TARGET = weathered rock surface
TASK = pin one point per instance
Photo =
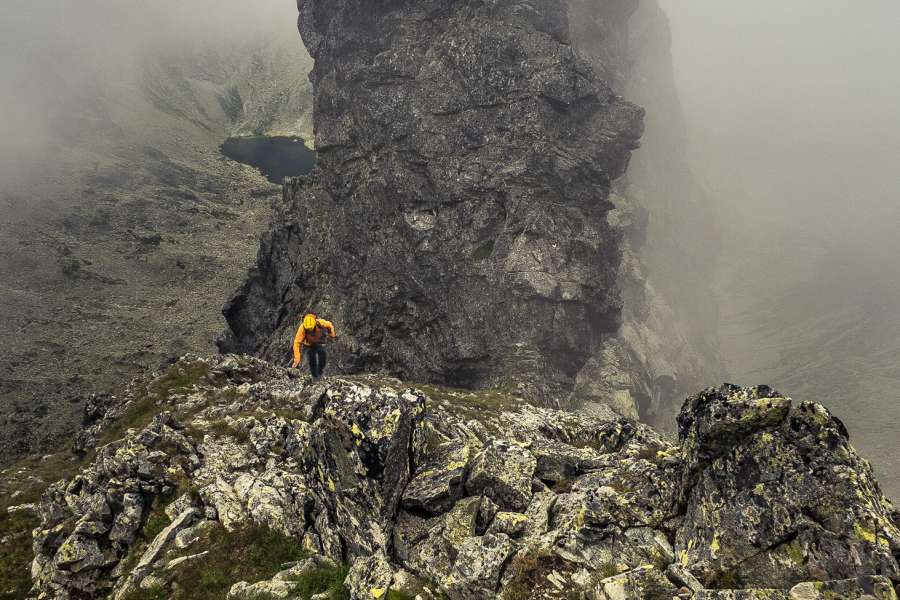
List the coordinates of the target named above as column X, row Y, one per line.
column 351, row 470
column 456, row 224
column 775, row 493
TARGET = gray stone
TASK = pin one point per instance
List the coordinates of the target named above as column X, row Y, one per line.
column 862, row 588
column 369, row 578
column 476, row 571
column 640, row 583
column 503, row 472
column 438, row 483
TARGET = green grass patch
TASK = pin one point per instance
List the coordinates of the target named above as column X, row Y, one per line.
column 251, row 554
column 484, row 251
column 607, row 569
column 181, row 377
column 16, row 554
column 324, row 580
column 30, row 477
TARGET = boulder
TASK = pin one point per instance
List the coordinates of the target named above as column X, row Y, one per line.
column 476, row 571
column 643, row 582
column 369, row 578
column 755, row 516
column 861, row 588
column 503, row 472
column 438, row 482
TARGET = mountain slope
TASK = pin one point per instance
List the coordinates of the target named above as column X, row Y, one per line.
column 119, row 247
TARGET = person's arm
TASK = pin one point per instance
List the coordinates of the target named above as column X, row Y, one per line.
column 298, row 347
column 329, row 326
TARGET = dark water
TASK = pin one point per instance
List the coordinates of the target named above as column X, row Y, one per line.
column 275, row 157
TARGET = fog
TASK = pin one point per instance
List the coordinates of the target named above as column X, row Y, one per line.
column 793, row 107
column 57, row 58
column 793, row 118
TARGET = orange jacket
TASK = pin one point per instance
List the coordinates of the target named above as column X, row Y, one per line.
column 311, row 338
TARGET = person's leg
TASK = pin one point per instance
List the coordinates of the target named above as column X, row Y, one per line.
column 313, row 362
column 323, row 358
column 318, row 354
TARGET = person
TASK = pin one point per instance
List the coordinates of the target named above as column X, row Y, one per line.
column 312, row 334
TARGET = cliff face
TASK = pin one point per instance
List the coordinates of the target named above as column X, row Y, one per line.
column 456, row 225
column 667, row 345
column 466, row 496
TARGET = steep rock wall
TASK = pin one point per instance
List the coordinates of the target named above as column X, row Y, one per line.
column 456, row 225
column 667, row 345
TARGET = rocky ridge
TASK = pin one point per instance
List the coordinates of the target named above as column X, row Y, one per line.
column 433, row 493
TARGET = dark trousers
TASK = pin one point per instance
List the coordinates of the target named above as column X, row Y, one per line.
column 317, row 359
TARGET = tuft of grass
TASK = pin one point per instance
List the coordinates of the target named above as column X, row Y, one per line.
column 179, row 378
column 16, row 554
column 529, row 574
column 607, row 569
column 138, row 414
column 30, row 478
column 324, row 581
column 398, row 595
column 484, row 251
column 250, row 554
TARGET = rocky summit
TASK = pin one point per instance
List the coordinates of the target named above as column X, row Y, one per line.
column 395, row 491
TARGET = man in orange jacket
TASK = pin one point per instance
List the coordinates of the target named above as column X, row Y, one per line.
column 312, row 334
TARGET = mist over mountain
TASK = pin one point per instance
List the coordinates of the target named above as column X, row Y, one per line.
column 793, row 120
column 122, row 227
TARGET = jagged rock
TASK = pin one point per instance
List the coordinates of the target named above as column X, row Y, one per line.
column 862, row 588
column 264, row 589
column 681, row 576
column 511, row 524
column 369, row 578
column 88, row 523
column 183, row 559
column 179, row 505
column 756, row 465
column 79, row 552
column 155, row 550
column 642, row 582
column 503, row 472
column 359, row 453
column 276, row 499
column 558, row 462
column 755, row 594
column 438, row 483
column 282, row 585
column 476, row 571
column 126, row 523
column 227, row 507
